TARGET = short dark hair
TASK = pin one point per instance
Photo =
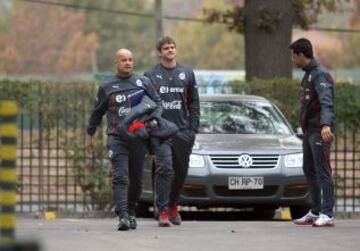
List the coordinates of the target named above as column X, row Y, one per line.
column 164, row 40
column 303, row 46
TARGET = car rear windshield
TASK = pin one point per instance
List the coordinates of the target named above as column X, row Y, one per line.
column 241, row 117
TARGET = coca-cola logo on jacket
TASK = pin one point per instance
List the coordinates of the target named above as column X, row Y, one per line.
column 123, row 111
column 173, row 105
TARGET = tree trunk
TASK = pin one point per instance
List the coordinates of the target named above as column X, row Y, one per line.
column 267, row 53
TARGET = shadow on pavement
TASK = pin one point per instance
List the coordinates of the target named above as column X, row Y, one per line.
column 225, row 216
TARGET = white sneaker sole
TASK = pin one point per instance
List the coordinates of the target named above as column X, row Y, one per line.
column 304, row 223
column 324, row 225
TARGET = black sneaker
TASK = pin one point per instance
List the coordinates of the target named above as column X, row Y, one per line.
column 132, row 220
column 124, row 224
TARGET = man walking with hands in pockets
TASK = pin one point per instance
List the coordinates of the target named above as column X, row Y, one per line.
column 177, row 88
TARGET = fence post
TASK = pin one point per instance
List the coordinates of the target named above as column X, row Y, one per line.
column 8, row 134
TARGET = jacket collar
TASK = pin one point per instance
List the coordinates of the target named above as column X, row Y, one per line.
column 311, row 65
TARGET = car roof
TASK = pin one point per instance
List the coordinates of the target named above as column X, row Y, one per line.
column 231, row 97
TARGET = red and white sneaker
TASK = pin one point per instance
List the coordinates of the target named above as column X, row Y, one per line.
column 164, row 218
column 307, row 219
column 324, row 221
column 174, row 215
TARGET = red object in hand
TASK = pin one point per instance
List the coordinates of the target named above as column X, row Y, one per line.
column 135, row 125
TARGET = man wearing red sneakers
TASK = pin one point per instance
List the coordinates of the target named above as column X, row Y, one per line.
column 318, row 123
column 177, row 88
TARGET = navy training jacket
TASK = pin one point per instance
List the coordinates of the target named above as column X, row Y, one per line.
column 317, row 98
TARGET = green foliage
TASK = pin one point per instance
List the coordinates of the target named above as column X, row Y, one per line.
column 92, row 173
column 347, row 104
column 70, row 101
column 25, row 93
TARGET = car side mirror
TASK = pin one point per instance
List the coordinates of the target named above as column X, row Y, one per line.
column 299, row 133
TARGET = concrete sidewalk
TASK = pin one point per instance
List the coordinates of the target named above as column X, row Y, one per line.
column 101, row 234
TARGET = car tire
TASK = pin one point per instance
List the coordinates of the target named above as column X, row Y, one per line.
column 299, row 211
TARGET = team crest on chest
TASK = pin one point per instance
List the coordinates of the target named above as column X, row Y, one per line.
column 110, row 154
column 139, row 82
column 182, row 76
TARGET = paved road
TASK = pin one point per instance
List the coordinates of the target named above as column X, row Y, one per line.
column 100, row 234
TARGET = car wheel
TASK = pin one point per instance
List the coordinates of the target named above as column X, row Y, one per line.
column 299, row 211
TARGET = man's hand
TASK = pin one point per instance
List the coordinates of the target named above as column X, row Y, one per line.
column 326, row 133
column 89, row 148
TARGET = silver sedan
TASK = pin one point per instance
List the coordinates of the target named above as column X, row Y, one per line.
column 245, row 156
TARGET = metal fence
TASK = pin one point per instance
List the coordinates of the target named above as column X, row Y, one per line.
column 48, row 179
column 345, row 160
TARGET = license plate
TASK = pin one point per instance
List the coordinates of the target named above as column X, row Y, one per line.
column 243, row 183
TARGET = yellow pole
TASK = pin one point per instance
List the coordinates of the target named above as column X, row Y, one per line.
column 8, row 134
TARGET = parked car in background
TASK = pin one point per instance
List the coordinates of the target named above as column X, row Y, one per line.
column 245, row 156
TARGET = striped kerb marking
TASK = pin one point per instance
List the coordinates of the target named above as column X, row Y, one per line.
column 8, row 131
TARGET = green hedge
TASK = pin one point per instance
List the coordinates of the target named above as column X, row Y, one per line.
column 53, row 97
column 65, row 105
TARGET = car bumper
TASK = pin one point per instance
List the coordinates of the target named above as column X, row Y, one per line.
column 210, row 188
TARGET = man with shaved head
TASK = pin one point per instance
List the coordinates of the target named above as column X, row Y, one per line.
column 116, row 97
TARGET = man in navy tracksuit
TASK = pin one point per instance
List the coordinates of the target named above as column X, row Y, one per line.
column 318, row 125
column 177, row 88
column 115, row 98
